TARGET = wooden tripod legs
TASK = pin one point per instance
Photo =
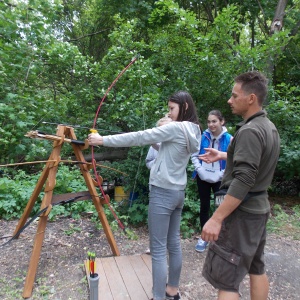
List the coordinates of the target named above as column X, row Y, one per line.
column 48, row 176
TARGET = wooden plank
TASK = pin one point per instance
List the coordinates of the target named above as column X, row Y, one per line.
column 95, row 197
column 39, row 237
column 114, row 278
column 35, row 256
column 104, row 290
column 132, row 282
column 103, row 287
column 65, row 197
column 33, row 198
column 143, row 273
column 148, row 261
column 124, row 277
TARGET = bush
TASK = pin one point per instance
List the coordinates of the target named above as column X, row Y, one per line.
column 16, row 191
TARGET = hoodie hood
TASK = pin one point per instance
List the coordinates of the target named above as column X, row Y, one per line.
column 192, row 134
column 224, row 129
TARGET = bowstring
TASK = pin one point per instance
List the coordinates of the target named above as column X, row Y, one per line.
column 142, row 148
column 92, row 148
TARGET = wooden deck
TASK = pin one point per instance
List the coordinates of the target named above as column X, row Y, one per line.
column 124, row 277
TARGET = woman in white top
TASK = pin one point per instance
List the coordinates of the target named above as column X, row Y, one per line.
column 209, row 175
column 179, row 139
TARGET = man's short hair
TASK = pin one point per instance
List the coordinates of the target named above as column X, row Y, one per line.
column 254, row 83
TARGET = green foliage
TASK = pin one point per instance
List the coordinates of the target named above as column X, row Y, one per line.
column 65, row 56
column 284, row 110
column 15, row 193
column 138, row 213
column 283, row 223
column 13, row 288
column 190, row 215
column 40, row 80
column 73, row 229
column 49, row 78
column 285, row 187
column 190, row 223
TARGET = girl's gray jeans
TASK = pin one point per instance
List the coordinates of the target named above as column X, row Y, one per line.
column 164, row 215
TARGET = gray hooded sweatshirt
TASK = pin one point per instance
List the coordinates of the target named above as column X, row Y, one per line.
column 178, row 141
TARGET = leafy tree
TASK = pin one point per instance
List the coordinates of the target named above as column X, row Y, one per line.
column 66, row 55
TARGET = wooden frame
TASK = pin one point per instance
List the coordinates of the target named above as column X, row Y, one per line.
column 48, row 178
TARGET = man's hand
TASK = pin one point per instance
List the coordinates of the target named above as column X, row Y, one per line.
column 95, row 139
column 212, row 155
column 212, row 227
column 211, row 230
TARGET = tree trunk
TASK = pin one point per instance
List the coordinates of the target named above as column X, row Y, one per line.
column 114, row 154
column 277, row 22
column 276, row 26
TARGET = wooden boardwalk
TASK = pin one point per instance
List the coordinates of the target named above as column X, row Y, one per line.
column 124, row 277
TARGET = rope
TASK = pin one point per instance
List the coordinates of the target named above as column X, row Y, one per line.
column 62, row 161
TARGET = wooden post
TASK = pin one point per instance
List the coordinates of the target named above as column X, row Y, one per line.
column 48, row 176
column 91, row 186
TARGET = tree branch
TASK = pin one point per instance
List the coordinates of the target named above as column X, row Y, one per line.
column 112, row 155
column 84, row 36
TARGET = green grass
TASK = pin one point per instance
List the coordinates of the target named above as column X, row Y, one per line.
column 283, row 223
column 13, row 289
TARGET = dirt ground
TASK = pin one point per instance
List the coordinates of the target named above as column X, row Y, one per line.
column 60, row 274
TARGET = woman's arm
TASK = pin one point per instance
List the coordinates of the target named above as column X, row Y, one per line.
column 168, row 132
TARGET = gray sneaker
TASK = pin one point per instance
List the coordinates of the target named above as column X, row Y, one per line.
column 201, row 245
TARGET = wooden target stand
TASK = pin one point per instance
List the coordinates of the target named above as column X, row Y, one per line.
column 48, row 176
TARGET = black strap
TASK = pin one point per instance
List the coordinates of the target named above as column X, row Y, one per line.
column 223, row 192
column 213, row 145
column 77, row 142
column 36, row 216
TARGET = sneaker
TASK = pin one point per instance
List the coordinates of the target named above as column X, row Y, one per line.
column 176, row 297
column 201, row 245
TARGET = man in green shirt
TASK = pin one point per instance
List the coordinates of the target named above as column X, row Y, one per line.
column 237, row 229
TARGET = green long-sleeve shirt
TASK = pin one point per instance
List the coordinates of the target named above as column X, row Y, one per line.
column 251, row 161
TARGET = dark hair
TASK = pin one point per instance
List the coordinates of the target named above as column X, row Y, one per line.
column 254, row 83
column 218, row 114
column 187, row 108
